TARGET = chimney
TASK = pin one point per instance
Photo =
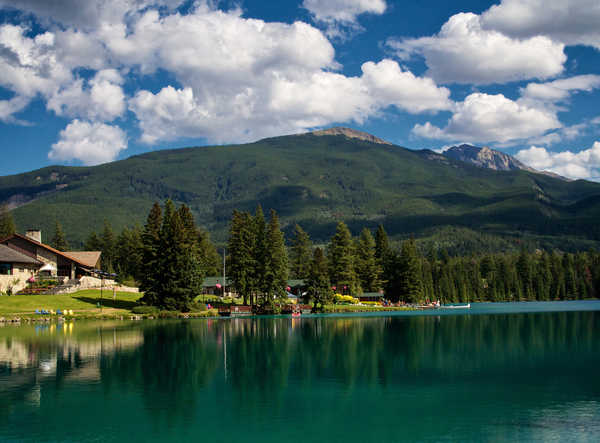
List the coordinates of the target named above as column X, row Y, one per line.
column 34, row 234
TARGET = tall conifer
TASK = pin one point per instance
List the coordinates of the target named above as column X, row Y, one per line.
column 300, row 253
column 341, row 258
column 7, row 224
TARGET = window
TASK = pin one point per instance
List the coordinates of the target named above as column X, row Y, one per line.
column 5, row 269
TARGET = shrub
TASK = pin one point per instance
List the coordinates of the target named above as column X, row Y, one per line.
column 345, row 299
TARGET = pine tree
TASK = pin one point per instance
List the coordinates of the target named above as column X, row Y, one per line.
column 7, row 224
column 260, row 251
column 129, row 253
column 341, row 257
column 367, row 266
column 411, row 288
column 300, row 253
column 58, row 239
column 382, row 246
column 276, row 263
column 319, row 287
column 179, row 262
column 108, row 241
column 93, row 242
column 212, row 262
column 150, row 275
column 241, row 254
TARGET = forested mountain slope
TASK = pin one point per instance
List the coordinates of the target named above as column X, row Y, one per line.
column 314, row 180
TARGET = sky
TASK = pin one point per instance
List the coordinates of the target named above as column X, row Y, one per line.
column 85, row 83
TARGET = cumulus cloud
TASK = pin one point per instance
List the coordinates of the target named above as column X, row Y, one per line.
column 13, row 106
column 286, row 104
column 546, row 94
column 464, row 52
column 91, row 143
column 101, row 99
column 489, row 118
column 572, row 22
column 341, row 16
column 584, row 164
column 30, row 66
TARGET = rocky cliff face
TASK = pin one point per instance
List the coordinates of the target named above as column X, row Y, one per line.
column 351, row 133
column 486, row 158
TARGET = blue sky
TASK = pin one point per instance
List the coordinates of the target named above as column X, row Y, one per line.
column 87, row 83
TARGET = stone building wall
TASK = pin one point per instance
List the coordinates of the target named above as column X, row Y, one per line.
column 18, row 280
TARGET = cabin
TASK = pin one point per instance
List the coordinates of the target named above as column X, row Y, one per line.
column 25, row 256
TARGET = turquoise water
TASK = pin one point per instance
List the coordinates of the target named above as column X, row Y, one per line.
column 499, row 372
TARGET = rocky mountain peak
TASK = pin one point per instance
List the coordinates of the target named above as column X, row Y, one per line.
column 351, row 133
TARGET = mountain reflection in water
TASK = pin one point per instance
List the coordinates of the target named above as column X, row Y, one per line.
column 466, row 377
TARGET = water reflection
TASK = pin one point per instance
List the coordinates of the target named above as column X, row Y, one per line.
column 182, row 371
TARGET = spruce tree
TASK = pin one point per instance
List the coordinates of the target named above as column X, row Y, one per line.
column 382, row 246
column 151, row 275
column 341, row 257
column 93, row 242
column 108, row 241
column 212, row 262
column 367, row 267
column 319, row 287
column 411, row 288
column 300, row 253
column 276, row 263
column 58, row 239
column 241, row 254
column 7, row 224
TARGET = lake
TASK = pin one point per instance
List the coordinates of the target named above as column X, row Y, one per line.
column 499, row 372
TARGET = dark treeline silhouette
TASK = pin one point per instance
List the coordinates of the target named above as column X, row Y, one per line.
column 170, row 255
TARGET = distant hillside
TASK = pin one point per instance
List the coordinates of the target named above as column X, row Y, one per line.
column 314, row 180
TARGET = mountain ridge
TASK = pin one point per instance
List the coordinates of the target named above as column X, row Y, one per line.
column 312, row 180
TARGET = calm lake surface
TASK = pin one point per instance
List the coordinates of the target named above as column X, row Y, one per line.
column 501, row 372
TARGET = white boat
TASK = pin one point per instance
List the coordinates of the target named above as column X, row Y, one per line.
column 467, row 306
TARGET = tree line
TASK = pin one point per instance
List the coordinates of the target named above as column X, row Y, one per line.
column 170, row 256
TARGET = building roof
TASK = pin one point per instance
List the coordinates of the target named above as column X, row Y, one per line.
column 49, row 248
column 88, row 258
column 295, row 283
column 9, row 255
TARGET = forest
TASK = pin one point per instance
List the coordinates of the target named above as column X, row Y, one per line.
column 170, row 256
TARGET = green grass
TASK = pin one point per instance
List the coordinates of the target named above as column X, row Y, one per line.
column 82, row 302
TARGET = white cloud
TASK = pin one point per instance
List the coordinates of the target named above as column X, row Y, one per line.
column 464, row 52
column 13, row 106
column 91, row 143
column 285, row 104
column 548, row 94
column 102, row 100
column 488, row 118
column 584, row 164
column 29, row 66
column 571, row 22
column 345, row 11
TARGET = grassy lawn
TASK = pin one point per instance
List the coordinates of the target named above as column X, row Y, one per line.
column 79, row 302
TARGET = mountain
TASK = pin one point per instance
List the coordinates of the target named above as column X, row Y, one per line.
column 486, row 158
column 490, row 158
column 314, row 179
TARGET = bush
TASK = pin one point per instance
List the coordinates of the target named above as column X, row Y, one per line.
column 345, row 299
column 144, row 310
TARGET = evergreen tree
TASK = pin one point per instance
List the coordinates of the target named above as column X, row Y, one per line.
column 259, row 285
column 411, row 288
column 367, row 266
column 179, row 262
column 150, row 275
column 58, row 240
column 129, row 254
column 7, row 224
column 382, row 246
column 300, row 253
column 319, row 287
column 241, row 254
column 341, row 257
column 276, row 263
column 108, row 241
column 212, row 262
column 93, row 243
